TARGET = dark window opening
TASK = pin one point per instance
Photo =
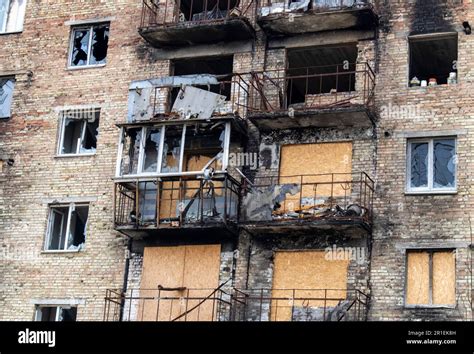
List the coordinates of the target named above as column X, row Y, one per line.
column 80, row 131
column 56, row 314
column 89, row 45
column 320, row 70
column 219, row 66
column 67, row 227
column 433, row 59
column 205, row 10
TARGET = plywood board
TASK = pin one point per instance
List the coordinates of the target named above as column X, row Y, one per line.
column 314, row 277
column 187, row 267
column 418, row 278
column 316, row 159
column 444, row 278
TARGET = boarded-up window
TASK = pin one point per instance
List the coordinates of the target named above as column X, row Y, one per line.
column 192, row 270
column 323, row 171
column 431, row 278
column 6, row 96
column 306, row 281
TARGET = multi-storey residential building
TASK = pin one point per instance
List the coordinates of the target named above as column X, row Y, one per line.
column 236, row 160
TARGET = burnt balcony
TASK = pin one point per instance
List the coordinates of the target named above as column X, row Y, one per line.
column 226, row 304
column 306, row 203
column 145, row 206
column 322, row 96
column 177, row 23
column 291, row 17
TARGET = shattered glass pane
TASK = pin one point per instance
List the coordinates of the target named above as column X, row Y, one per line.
column 77, row 228
column 100, row 43
column 152, row 146
column 67, row 314
column 80, row 47
column 72, row 135
column 89, row 141
column 171, row 149
column 6, row 95
column 444, row 163
column 47, row 314
column 131, row 151
column 419, row 164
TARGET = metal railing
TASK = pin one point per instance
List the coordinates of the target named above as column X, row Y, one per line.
column 232, row 86
column 324, row 196
column 227, row 304
column 301, row 89
column 176, row 201
column 184, row 12
column 268, row 7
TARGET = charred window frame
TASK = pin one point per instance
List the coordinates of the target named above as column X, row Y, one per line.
column 78, row 132
column 136, row 145
column 433, row 56
column 59, row 313
column 89, row 45
column 432, row 165
column 7, row 86
column 12, row 15
column 67, row 224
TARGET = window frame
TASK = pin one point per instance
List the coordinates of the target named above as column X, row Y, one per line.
column 430, row 252
column 38, row 307
column 71, row 207
column 3, row 27
column 430, row 189
column 62, row 131
column 141, row 158
column 90, row 28
column 13, row 80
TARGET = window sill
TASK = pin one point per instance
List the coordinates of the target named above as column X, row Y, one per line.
column 73, row 155
column 61, row 251
column 429, row 307
column 84, row 67
column 452, row 192
column 8, row 33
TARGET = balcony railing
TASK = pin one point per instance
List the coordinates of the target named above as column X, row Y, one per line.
column 189, row 12
column 268, row 7
column 227, row 304
column 176, row 202
column 312, row 88
column 336, row 196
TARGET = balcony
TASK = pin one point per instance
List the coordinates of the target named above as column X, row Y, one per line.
column 323, row 96
column 145, row 206
column 305, row 203
column 223, row 304
column 177, row 23
column 279, row 18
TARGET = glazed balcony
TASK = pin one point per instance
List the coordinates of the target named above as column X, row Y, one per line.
column 222, row 304
column 305, row 203
column 323, row 96
column 279, row 18
column 177, row 23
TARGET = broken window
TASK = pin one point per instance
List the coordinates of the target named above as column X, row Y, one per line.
column 205, row 10
column 6, row 96
column 56, row 313
column 222, row 67
column 80, row 129
column 89, row 45
column 12, row 15
column 433, row 58
column 320, row 70
column 431, row 277
column 432, row 164
column 174, row 148
column 67, row 227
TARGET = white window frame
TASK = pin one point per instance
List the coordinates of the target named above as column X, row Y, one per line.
column 141, row 158
column 62, row 130
column 90, row 28
column 19, row 27
column 71, row 207
column 58, row 310
column 430, row 189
